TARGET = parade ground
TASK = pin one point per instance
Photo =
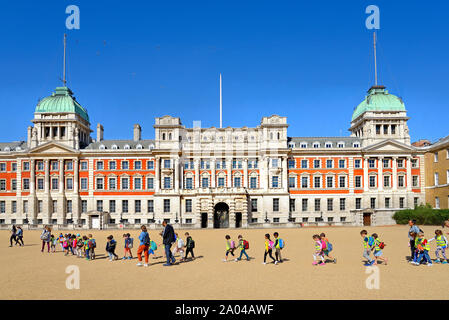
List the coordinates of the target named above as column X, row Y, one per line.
column 29, row 274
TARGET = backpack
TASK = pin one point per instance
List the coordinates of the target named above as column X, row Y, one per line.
column 324, row 245
column 130, row 243
column 180, row 243
column 232, row 244
column 281, row 243
column 191, row 244
column 245, row 244
column 329, row 247
column 153, row 245
column 90, row 244
column 270, row 244
column 381, row 245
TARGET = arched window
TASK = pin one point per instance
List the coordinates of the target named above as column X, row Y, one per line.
column 102, row 147
column 151, row 146
column 279, row 135
column 163, row 136
column 114, row 147
column 139, row 146
column 126, row 147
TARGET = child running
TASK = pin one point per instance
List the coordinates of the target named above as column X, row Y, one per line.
column 190, row 244
column 327, row 247
column 145, row 242
column 378, row 247
column 268, row 249
column 230, row 247
column 368, row 243
column 441, row 246
column 128, row 246
column 422, row 248
column 243, row 246
column 110, row 248
column 318, row 251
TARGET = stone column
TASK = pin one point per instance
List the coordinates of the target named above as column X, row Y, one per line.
column 76, row 199
column 284, row 174
column 157, row 169
column 245, row 173
column 181, row 176
column 229, row 171
column 213, row 178
column 32, row 177
column 394, row 164
column 176, row 174
column 409, row 173
column 380, row 180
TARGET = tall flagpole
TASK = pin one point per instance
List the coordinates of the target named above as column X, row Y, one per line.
column 221, row 103
column 375, row 59
column 64, row 82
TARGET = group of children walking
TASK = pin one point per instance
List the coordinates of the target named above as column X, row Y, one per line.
column 422, row 248
column 84, row 246
column 77, row 245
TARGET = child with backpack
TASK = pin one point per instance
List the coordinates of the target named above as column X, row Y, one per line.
column 92, row 246
column 230, row 247
column 327, row 247
column 66, row 244
column 368, row 243
column 80, row 245
column 278, row 246
column 441, row 246
column 179, row 247
column 110, row 248
column 318, row 251
column 243, row 246
column 377, row 248
column 422, row 250
column 74, row 245
column 128, row 246
column 268, row 249
column 190, row 244
column 53, row 242
column 144, row 246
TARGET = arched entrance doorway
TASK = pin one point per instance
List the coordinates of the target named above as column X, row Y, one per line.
column 221, row 215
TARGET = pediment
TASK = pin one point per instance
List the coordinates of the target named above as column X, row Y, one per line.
column 389, row 146
column 53, row 147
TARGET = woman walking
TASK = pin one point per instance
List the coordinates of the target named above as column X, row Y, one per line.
column 45, row 237
column 19, row 236
column 13, row 235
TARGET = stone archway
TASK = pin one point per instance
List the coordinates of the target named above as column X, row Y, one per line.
column 221, row 215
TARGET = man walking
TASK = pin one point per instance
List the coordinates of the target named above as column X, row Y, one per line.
column 412, row 234
column 168, row 238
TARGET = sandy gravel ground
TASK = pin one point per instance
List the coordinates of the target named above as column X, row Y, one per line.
column 29, row 274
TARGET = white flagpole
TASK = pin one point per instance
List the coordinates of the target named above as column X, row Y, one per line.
column 221, row 103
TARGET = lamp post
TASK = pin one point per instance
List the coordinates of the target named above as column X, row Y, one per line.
column 176, row 220
column 26, row 218
column 266, row 217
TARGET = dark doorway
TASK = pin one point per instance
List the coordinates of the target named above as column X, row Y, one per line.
column 238, row 219
column 221, row 215
column 366, row 218
column 204, row 220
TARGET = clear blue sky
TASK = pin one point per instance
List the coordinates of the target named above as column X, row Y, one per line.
column 311, row 61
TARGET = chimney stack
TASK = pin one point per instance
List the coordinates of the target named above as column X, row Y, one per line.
column 100, row 131
column 137, row 133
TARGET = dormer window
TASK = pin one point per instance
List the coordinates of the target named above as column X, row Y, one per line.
column 102, row 147
column 303, row 145
column 126, row 147
column 7, row 149
column 139, row 147
column 151, row 146
column 316, row 144
column 328, row 145
column 356, row 145
column 114, row 147
column 291, row 145
column 341, row 145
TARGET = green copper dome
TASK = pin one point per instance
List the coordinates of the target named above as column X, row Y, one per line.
column 62, row 100
column 378, row 99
